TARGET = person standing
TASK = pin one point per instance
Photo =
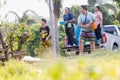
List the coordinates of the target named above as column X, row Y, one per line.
column 45, row 35
column 84, row 21
column 98, row 20
column 69, row 27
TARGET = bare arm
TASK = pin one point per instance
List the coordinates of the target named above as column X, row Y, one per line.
column 70, row 21
column 48, row 35
column 81, row 25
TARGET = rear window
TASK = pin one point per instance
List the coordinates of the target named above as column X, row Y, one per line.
column 110, row 29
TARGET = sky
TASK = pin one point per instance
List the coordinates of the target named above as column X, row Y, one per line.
column 39, row 6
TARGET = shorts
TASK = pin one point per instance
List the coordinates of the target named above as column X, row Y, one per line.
column 45, row 44
column 87, row 35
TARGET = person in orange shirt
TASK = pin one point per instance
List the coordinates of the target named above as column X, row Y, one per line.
column 98, row 20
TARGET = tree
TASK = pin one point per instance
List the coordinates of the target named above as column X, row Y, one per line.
column 54, row 8
column 118, row 2
column 14, row 13
column 18, row 37
column 107, row 18
column 114, row 9
column 92, row 2
column 76, row 11
column 25, row 17
column 1, row 37
column 117, row 16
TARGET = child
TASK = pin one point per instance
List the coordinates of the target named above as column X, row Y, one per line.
column 45, row 35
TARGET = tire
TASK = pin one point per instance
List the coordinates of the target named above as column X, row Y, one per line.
column 115, row 47
column 89, row 51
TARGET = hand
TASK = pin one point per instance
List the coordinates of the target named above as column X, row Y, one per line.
column 47, row 39
column 87, row 25
column 66, row 22
column 101, row 25
column 83, row 26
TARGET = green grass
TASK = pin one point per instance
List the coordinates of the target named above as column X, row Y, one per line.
column 100, row 65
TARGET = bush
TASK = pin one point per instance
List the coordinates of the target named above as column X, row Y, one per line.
column 102, row 65
column 33, row 44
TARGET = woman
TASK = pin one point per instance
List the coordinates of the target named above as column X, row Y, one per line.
column 69, row 28
column 98, row 20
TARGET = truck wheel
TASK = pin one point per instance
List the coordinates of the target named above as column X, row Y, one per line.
column 89, row 51
column 115, row 46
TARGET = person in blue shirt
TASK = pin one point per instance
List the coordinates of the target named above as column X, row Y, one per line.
column 69, row 27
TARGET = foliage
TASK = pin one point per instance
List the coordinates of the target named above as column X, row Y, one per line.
column 75, row 10
column 14, row 35
column 118, row 2
column 116, row 22
column 101, row 65
column 107, row 18
column 18, row 36
column 62, row 36
column 92, row 2
column 22, row 37
column 33, row 44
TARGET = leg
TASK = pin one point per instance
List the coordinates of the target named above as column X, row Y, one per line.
column 81, row 46
column 92, row 45
column 81, row 41
column 98, row 34
column 68, row 35
column 71, row 34
column 91, row 39
column 42, row 49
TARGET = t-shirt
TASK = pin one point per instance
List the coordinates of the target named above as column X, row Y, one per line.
column 98, row 17
column 45, row 31
column 90, row 18
column 68, row 17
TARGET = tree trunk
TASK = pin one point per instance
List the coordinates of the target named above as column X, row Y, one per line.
column 54, row 31
column 4, row 46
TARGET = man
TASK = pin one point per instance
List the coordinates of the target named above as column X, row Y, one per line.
column 69, row 28
column 84, row 21
column 45, row 35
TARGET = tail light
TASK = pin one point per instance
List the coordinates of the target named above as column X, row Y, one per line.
column 104, row 37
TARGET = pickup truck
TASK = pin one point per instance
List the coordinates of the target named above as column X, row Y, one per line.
column 112, row 33
column 110, row 39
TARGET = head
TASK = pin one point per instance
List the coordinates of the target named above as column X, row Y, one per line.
column 43, row 22
column 83, row 9
column 96, row 8
column 67, row 10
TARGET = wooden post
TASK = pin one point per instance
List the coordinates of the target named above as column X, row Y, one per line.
column 3, row 45
column 1, row 37
column 54, row 30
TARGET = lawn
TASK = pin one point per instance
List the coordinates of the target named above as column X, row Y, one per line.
column 101, row 65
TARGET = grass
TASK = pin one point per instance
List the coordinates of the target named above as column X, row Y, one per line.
column 100, row 65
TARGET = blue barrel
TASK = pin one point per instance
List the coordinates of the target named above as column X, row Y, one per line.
column 77, row 34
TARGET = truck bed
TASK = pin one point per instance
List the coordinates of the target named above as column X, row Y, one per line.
column 76, row 49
